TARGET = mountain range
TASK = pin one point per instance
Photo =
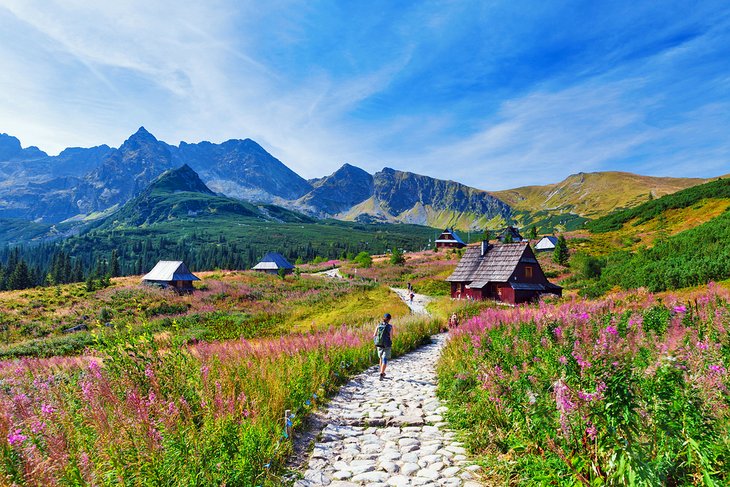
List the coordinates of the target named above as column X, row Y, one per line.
column 87, row 183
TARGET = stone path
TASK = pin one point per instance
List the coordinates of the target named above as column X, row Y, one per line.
column 332, row 273
column 391, row 432
column 418, row 305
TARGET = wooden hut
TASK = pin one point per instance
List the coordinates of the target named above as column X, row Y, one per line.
column 449, row 239
column 272, row 262
column 506, row 272
column 546, row 243
column 171, row 273
column 510, row 234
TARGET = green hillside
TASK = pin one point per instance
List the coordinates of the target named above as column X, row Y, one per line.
column 676, row 241
column 718, row 189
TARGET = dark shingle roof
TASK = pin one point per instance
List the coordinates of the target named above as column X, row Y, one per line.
column 273, row 261
column 467, row 265
column 497, row 265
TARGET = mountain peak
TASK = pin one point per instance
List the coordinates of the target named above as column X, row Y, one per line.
column 180, row 179
column 140, row 136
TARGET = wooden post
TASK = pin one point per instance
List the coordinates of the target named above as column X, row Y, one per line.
column 287, row 422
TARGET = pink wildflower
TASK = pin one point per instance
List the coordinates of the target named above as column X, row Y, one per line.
column 15, row 437
column 563, row 359
column 680, row 309
column 592, row 432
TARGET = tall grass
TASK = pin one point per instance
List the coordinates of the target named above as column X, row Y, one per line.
column 629, row 390
column 210, row 414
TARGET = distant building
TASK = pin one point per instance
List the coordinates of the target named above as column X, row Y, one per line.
column 171, row 273
column 506, row 272
column 449, row 239
column 512, row 232
column 272, row 262
column 546, row 243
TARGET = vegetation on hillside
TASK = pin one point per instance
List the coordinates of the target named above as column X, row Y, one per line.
column 718, row 189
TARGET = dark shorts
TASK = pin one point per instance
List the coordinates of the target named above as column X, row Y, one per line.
column 383, row 352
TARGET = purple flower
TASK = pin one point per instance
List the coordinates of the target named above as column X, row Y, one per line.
column 612, row 330
column 563, row 359
column 592, row 432
column 15, row 437
column 558, row 331
column 47, row 409
column 680, row 309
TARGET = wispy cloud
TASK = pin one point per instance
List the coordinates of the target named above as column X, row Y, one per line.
column 493, row 95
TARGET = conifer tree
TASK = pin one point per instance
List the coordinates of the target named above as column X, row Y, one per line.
column 114, row 265
column 560, row 254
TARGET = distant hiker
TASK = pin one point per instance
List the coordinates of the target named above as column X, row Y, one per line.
column 383, row 338
column 411, row 297
column 410, row 288
column 453, row 321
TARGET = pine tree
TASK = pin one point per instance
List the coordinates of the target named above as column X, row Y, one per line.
column 533, row 232
column 20, row 277
column 561, row 254
column 114, row 270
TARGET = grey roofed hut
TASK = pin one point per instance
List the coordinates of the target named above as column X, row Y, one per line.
column 171, row 273
column 272, row 262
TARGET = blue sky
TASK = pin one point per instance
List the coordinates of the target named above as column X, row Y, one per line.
column 494, row 94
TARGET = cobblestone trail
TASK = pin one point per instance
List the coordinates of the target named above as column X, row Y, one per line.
column 390, row 432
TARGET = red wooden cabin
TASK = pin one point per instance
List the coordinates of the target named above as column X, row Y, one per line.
column 506, row 272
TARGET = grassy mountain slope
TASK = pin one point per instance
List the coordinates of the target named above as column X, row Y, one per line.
column 718, row 189
column 593, row 195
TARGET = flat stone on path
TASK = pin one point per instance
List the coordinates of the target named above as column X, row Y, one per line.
column 390, row 432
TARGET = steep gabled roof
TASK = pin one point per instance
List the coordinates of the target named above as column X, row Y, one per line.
column 170, row 270
column 467, row 265
column 273, row 261
column 447, row 240
column 516, row 237
column 497, row 264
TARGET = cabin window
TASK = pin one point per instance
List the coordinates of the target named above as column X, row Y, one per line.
column 528, row 272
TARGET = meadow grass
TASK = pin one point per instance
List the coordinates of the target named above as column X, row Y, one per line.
column 631, row 389
column 198, row 415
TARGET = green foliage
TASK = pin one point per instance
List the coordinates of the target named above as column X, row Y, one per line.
column 586, row 266
column 363, row 259
column 397, row 258
column 561, row 253
column 689, row 258
column 655, row 207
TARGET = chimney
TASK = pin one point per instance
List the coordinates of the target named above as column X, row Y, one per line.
column 485, row 247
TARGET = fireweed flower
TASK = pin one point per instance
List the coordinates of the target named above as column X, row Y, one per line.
column 15, row 437
column 564, row 405
column 680, row 309
column 47, row 409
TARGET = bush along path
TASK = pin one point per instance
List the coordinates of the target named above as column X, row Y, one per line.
column 390, row 432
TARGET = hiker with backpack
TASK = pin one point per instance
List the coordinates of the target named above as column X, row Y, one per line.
column 383, row 338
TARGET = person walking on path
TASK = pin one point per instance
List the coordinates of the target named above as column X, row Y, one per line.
column 383, row 338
